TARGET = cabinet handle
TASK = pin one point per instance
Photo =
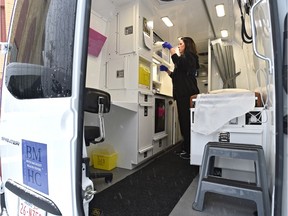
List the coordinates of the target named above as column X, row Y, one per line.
column 146, row 104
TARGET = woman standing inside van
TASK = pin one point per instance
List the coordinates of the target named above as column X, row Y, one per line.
column 184, row 85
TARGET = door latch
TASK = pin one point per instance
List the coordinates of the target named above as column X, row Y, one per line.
column 4, row 47
column 89, row 193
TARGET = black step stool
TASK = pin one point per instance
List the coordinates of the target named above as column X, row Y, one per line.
column 257, row 191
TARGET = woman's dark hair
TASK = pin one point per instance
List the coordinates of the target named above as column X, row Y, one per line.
column 190, row 45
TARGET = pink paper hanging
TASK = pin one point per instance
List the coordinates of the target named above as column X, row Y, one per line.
column 96, row 42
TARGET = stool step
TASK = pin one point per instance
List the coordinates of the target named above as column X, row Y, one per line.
column 234, row 150
column 232, row 183
column 249, row 147
column 231, row 188
column 257, row 192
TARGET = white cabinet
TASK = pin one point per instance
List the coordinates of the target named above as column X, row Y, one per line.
column 127, row 29
column 130, row 131
column 242, row 129
column 128, row 59
column 145, row 116
column 128, row 78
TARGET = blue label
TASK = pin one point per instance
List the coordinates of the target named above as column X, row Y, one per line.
column 34, row 163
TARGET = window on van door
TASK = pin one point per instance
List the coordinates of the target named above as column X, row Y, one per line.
column 39, row 64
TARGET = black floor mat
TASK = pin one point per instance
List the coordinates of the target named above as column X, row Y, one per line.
column 153, row 190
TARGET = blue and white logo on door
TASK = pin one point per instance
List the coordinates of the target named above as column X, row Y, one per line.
column 34, row 163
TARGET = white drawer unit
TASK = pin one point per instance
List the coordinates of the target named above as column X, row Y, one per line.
column 145, row 122
column 247, row 129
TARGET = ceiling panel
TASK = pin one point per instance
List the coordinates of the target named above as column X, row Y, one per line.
column 189, row 19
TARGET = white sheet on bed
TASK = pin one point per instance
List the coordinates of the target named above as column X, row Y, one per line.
column 214, row 110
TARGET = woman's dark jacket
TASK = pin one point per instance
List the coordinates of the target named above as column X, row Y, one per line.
column 183, row 76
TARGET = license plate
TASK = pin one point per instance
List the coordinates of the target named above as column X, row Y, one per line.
column 28, row 209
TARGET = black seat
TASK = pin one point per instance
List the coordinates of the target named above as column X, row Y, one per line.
column 98, row 102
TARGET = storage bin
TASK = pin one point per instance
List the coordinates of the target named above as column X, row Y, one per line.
column 104, row 157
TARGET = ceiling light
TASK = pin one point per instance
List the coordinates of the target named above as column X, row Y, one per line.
column 167, row 21
column 224, row 33
column 220, row 10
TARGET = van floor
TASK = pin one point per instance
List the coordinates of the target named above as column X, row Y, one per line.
column 214, row 205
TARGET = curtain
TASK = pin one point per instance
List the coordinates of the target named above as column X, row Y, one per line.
column 226, row 65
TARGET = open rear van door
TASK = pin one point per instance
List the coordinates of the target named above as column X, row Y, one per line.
column 41, row 134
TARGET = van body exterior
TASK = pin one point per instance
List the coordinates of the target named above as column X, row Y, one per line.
column 41, row 110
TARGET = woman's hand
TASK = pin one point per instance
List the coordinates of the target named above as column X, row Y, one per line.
column 163, row 68
column 167, row 45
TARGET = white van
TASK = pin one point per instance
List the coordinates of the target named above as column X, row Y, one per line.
column 48, row 70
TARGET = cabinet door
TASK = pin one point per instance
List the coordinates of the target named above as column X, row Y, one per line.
column 116, row 73
column 127, row 29
column 120, row 72
column 145, row 117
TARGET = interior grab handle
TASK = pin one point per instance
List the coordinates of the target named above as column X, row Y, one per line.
column 101, row 121
column 254, row 35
